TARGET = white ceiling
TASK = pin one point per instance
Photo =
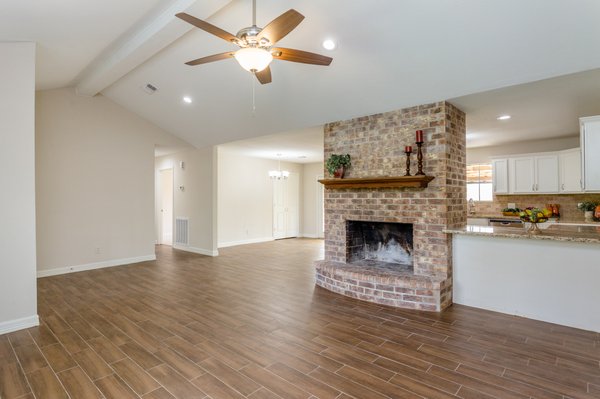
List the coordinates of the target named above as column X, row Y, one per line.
column 69, row 33
column 391, row 54
column 540, row 110
column 300, row 146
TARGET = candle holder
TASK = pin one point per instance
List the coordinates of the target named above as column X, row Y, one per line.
column 407, row 162
column 419, row 159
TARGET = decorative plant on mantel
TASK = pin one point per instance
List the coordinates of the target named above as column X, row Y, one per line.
column 337, row 163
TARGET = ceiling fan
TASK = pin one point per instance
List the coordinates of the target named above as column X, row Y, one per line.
column 257, row 44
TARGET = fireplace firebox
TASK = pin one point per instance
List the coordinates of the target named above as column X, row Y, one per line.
column 380, row 244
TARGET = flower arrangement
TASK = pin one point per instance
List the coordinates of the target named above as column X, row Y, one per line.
column 587, row 206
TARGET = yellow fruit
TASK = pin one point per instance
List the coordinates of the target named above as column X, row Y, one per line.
column 547, row 212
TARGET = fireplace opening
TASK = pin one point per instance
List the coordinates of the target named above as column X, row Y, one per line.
column 380, row 244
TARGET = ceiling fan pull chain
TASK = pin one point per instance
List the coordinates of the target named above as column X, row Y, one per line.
column 253, row 95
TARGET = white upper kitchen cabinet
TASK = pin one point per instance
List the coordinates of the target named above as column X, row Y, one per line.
column 522, row 175
column 590, row 149
column 546, row 174
column 500, row 175
column 570, row 171
column 534, row 174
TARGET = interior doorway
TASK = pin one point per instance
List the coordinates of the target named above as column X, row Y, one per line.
column 286, row 208
column 165, row 206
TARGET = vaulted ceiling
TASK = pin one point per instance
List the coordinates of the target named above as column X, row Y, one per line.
column 391, row 54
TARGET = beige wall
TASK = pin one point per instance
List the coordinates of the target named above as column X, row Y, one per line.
column 483, row 154
column 311, row 172
column 95, row 182
column 18, row 308
column 245, row 197
column 197, row 200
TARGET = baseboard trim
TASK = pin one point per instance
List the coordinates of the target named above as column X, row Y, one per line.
column 195, row 250
column 19, row 324
column 310, row 236
column 95, row 265
column 244, row 242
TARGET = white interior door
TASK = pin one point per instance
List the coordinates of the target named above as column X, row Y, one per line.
column 279, row 209
column 286, row 207
column 166, row 206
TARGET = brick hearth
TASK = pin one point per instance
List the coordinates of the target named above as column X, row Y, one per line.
column 376, row 145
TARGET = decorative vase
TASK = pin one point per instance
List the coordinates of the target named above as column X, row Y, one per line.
column 597, row 213
column 589, row 216
column 534, row 229
column 339, row 172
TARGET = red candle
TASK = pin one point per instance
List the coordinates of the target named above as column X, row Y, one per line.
column 419, row 136
column 408, row 149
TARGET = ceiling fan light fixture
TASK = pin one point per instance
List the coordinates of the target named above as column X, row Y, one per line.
column 253, row 59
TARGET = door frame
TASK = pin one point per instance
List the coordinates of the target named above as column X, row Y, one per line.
column 159, row 205
column 320, row 208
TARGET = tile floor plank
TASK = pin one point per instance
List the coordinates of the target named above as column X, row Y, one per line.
column 78, row 384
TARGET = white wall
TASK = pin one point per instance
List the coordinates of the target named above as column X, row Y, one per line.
column 18, row 308
column 95, row 182
column 197, row 201
column 311, row 172
column 245, row 197
column 483, row 154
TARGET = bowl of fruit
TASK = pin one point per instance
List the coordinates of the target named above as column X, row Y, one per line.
column 534, row 216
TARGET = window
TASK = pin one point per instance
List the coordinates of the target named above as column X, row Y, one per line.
column 479, row 182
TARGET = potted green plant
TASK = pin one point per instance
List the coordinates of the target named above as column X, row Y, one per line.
column 337, row 164
column 587, row 208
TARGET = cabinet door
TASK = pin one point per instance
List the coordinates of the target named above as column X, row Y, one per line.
column 500, row 176
column 590, row 143
column 522, row 175
column 546, row 174
column 569, row 165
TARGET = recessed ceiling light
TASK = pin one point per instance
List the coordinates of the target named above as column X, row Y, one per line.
column 503, row 117
column 187, row 99
column 328, row 44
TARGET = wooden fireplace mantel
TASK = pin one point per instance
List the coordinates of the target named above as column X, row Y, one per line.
column 378, row 182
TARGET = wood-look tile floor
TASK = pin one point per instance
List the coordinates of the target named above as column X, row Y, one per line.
column 251, row 324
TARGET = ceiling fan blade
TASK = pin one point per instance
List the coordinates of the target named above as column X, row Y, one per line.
column 205, row 26
column 264, row 76
column 290, row 54
column 211, row 58
column 278, row 28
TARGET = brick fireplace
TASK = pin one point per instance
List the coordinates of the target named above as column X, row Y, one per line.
column 421, row 275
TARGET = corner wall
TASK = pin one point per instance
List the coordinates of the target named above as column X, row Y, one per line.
column 18, row 295
column 95, row 182
column 197, row 200
column 245, row 197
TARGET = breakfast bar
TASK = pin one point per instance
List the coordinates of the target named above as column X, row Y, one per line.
column 553, row 276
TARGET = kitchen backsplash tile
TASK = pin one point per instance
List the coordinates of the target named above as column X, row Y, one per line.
column 568, row 203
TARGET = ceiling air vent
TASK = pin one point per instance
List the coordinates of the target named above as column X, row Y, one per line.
column 150, row 88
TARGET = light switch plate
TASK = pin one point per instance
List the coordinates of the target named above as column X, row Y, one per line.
column 512, row 205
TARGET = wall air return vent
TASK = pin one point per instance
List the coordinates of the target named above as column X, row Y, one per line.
column 182, row 230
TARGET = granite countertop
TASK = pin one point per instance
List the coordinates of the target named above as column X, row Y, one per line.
column 555, row 232
column 558, row 220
